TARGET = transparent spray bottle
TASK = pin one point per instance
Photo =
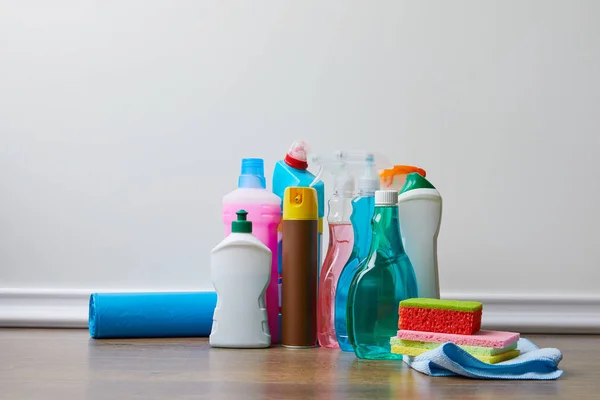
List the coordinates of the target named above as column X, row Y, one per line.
column 341, row 241
column 385, row 278
column 363, row 208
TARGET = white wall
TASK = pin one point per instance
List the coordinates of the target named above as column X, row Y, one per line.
column 122, row 123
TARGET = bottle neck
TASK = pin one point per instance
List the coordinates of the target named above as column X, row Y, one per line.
column 340, row 210
column 246, row 181
column 386, row 229
column 362, row 217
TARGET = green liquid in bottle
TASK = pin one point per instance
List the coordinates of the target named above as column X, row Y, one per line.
column 383, row 279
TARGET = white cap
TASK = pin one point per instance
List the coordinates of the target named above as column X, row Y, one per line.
column 368, row 184
column 386, row 197
column 369, row 181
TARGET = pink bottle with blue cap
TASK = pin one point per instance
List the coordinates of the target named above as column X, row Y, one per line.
column 264, row 210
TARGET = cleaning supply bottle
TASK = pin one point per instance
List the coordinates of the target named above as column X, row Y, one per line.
column 299, row 277
column 420, row 213
column 240, row 268
column 292, row 171
column 363, row 208
column 264, row 211
column 394, row 178
column 341, row 240
column 381, row 282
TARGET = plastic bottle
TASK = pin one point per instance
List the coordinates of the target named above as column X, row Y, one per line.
column 394, row 178
column 363, row 208
column 240, row 268
column 382, row 281
column 341, row 241
column 420, row 213
column 300, row 275
column 264, row 211
column 292, row 171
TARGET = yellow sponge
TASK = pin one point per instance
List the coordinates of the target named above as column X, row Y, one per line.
column 415, row 351
column 473, row 350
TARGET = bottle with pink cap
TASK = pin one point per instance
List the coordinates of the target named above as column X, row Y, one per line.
column 264, row 211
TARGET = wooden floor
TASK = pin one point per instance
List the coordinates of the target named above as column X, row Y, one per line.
column 67, row 364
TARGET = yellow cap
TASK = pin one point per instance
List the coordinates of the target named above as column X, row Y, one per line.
column 300, row 203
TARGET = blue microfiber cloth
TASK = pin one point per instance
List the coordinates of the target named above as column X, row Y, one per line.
column 450, row 360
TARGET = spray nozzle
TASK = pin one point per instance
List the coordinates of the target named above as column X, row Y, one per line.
column 368, row 181
column 336, row 166
column 350, row 169
column 345, row 165
column 365, row 165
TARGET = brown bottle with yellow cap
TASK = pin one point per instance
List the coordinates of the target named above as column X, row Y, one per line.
column 299, row 268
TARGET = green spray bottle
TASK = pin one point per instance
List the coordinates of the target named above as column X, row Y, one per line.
column 381, row 282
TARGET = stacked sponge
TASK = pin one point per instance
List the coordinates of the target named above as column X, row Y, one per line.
column 427, row 323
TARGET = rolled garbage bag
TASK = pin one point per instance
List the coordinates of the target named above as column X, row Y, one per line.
column 150, row 315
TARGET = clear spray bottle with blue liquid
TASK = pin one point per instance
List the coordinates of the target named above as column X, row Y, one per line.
column 363, row 208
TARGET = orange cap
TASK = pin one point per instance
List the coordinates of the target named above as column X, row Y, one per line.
column 387, row 175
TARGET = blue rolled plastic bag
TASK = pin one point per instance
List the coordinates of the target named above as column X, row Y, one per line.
column 151, row 315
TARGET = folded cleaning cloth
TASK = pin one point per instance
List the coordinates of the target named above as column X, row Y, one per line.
column 450, row 360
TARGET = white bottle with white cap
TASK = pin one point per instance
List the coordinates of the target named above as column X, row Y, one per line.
column 420, row 214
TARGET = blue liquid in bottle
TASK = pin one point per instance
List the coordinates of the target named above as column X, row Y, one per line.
column 385, row 278
column 363, row 208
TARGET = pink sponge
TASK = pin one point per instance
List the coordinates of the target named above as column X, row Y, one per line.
column 482, row 338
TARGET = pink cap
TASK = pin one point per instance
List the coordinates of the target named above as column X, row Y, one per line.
column 296, row 156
